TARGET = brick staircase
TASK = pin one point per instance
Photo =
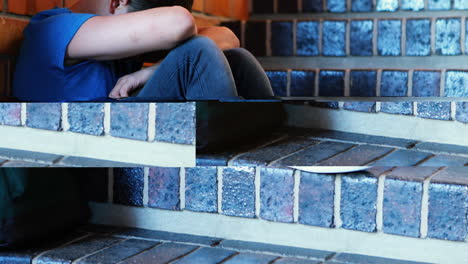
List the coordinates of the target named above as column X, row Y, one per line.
column 360, row 48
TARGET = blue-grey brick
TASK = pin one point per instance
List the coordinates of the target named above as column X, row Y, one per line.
column 175, row 123
column 442, row 148
column 315, row 154
column 316, row 199
column 362, row 5
column 456, row 84
column 128, row 186
column 164, row 188
column 239, row 191
column 402, row 157
column 167, row 236
column 282, row 38
column 307, row 38
column 402, row 207
column 363, row 83
column 206, row 256
column 277, row 194
column 387, row 5
column 302, row 83
column 412, row 5
column 297, row 261
column 447, row 212
column 201, row 189
column 129, row 120
column 361, row 37
column 460, row 4
column 400, row 108
column 394, row 83
column 448, row 34
column 418, row 37
column 438, row 4
column 446, row 161
column 334, row 38
column 358, row 156
column 435, row 110
column 279, row 82
column 367, row 107
column 251, row 258
column 462, row 112
column 336, row 6
column 10, row 114
column 86, row 118
column 312, row 5
column 426, row 83
column 330, row 105
column 365, row 259
column 389, row 38
column 44, row 116
column 331, row 83
column 161, row 254
column 359, row 202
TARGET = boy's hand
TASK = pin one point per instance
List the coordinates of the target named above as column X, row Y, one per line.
column 131, row 82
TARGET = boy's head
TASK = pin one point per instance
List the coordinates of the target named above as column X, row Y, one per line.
column 115, row 7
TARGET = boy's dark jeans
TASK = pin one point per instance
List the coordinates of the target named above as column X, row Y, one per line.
column 199, row 70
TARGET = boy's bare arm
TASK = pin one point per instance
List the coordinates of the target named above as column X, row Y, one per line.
column 122, row 36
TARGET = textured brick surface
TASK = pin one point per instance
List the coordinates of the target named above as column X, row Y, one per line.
column 447, row 212
column 312, row 5
column 358, row 156
column 279, row 81
column 456, row 84
column 446, row 160
column 444, row 148
column 276, row 195
column 402, row 157
column 44, row 116
column 402, row 108
column 302, row 83
column 460, row 4
column 255, row 37
column 282, row 38
column 389, row 38
column 426, row 83
column 296, row 261
column 334, row 38
column 87, row 118
column 307, row 38
column 331, row 83
column 161, row 254
column 10, row 114
column 418, row 37
column 438, row 4
column 358, row 202
column 167, row 236
column 129, row 120
column 74, row 161
column 387, row 5
column 361, row 259
column 201, row 189
column 316, row 199
column 239, row 191
column 452, row 175
column 315, row 154
column 265, row 155
column 448, row 33
column 368, row 107
column 175, row 123
column 394, row 83
column 362, row 5
column 28, row 155
column 361, row 37
column 128, row 186
column 462, row 112
column 336, row 6
column 416, row 174
column 435, row 110
column 402, row 207
column 163, row 186
column 206, row 255
column 412, row 5
column 363, row 83
column 251, row 258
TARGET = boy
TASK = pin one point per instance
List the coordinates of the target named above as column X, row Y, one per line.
column 90, row 55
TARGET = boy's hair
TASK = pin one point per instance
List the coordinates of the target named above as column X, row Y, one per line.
column 139, row 5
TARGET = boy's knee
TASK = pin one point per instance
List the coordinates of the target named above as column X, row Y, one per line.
column 202, row 42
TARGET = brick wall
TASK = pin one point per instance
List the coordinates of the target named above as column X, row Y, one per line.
column 15, row 14
column 424, row 202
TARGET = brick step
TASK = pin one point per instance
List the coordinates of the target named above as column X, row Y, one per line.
column 339, row 6
column 413, row 211
column 316, row 147
column 108, row 245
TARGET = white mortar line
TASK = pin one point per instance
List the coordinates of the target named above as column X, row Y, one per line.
column 337, row 202
column 107, row 118
column 453, row 110
column 182, row 188
column 145, row 186
column 297, row 182
column 380, row 199
column 269, row 51
column 375, row 36
column 379, row 82
column 275, row 6
column 257, row 191
column 294, row 31
column 415, row 108
column 433, row 35
column 152, row 122
column 410, row 83
column 65, row 123
column 443, row 74
column 317, row 83
column 24, row 109
column 403, row 37
column 378, row 106
column 220, row 188
column 348, row 37
column 110, row 185
column 288, row 82
column 425, row 204
column 463, row 34
column 299, row 6
column 347, row 83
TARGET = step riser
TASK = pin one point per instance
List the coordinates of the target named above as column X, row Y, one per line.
column 300, row 209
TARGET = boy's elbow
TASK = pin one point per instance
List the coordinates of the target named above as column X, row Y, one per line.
column 184, row 24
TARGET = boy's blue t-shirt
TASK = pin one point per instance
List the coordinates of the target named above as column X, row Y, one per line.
column 40, row 73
